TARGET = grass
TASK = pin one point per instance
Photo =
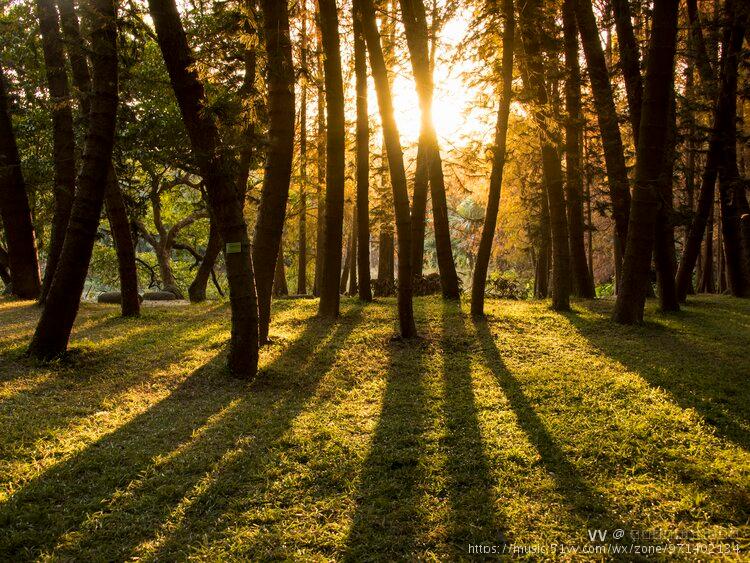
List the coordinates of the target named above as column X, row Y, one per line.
column 527, row 429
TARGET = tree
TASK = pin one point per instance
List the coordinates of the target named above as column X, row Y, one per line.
column 63, row 140
column 61, row 306
column 650, row 157
column 530, row 20
column 479, row 278
column 279, row 153
column 415, row 25
column 362, row 162
column 583, row 283
column 14, row 209
column 197, row 289
column 215, row 166
column 614, row 156
column 395, row 166
column 335, row 147
column 302, row 256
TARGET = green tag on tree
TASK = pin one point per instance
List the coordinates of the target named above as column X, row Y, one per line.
column 234, row 247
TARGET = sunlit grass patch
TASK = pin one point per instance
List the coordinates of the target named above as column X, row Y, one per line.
column 530, row 427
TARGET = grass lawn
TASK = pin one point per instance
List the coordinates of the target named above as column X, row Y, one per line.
column 530, row 429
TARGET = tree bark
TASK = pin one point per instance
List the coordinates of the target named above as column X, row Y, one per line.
column 63, row 144
column 223, row 198
column 629, row 62
column 130, row 301
column 395, row 166
column 419, row 208
column 479, row 278
column 302, row 255
column 415, row 26
column 721, row 138
column 335, row 161
column 353, row 252
column 583, row 284
column 650, row 159
column 664, row 251
column 280, row 286
column 61, row 306
column 706, row 281
column 197, row 289
column 614, row 156
column 362, row 162
column 279, row 154
column 320, row 149
column 14, row 209
column 530, row 20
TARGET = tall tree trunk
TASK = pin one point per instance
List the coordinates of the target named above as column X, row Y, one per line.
column 582, row 282
column 353, row 252
column 63, row 144
column 362, row 161
column 347, row 264
column 223, row 198
column 385, row 257
column 706, row 280
column 14, row 209
column 479, row 278
column 395, row 166
column 415, row 26
column 130, row 301
column 320, row 149
column 664, row 251
column 278, row 169
column 650, row 157
column 419, row 208
column 614, row 156
column 335, row 161
column 197, row 289
column 302, row 256
column 721, row 138
column 530, row 19
column 280, row 286
column 61, row 306
column 541, row 271
column 629, row 62
column 113, row 202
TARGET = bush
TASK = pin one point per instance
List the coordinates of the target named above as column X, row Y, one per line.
column 427, row 285
column 504, row 285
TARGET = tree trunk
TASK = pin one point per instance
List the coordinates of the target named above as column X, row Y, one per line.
column 664, row 251
column 61, row 306
column 629, row 62
column 63, row 144
column 223, row 197
column 114, row 203
column 302, row 256
column 14, row 209
column 280, row 286
column 479, row 278
column 353, row 252
column 706, row 280
column 650, row 159
column 335, row 161
column 197, row 289
column 320, row 149
column 614, row 156
column 347, row 265
column 395, row 166
column 362, row 162
column 419, row 208
column 582, row 282
column 721, row 138
column 278, row 169
column 130, row 302
column 415, row 26
column 530, row 20
column 541, row 271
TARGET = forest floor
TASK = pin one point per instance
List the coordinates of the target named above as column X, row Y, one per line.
column 528, row 430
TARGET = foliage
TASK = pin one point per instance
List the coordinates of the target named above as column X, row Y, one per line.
column 504, row 285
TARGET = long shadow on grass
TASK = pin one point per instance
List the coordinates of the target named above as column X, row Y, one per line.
column 229, row 462
column 469, row 482
column 104, row 501
column 704, row 366
column 388, row 517
column 584, row 504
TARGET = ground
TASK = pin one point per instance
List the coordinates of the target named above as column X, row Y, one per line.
column 530, row 429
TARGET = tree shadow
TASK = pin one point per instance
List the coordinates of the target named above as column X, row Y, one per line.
column 702, row 363
column 104, row 501
column 388, row 516
column 584, row 504
column 470, row 483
